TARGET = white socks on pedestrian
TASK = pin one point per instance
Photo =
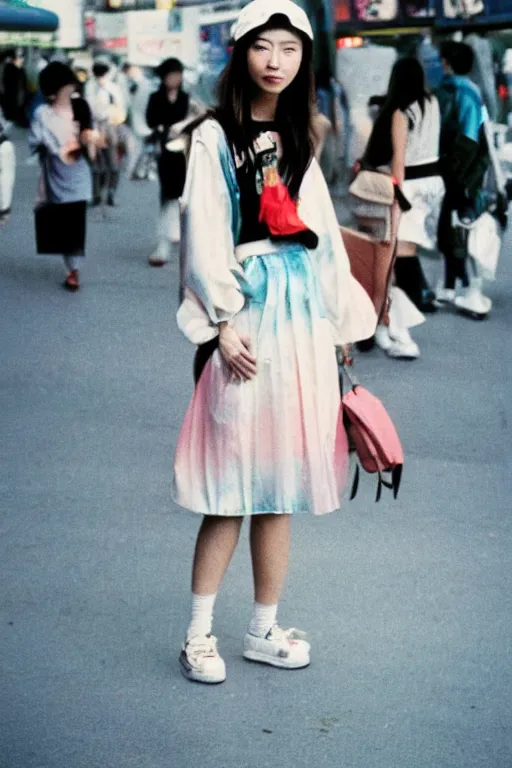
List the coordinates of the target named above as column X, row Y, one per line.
column 263, row 619
column 71, row 263
column 202, row 615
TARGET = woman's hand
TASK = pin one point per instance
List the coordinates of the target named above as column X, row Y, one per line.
column 70, row 152
column 91, row 139
column 344, row 354
column 236, row 352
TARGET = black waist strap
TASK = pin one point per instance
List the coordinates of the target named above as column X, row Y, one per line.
column 422, row 171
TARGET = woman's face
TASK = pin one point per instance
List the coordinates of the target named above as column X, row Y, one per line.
column 274, row 60
column 65, row 92
column 173, row 81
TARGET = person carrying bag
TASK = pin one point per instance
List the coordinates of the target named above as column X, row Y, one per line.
column 61, row 133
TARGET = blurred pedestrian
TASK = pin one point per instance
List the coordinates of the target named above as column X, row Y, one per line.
column 15, row 89
column 109, row 113
column 169, row 108
column 267, row 291
column 328, row 107
column 140, row 90
column 61, row 133
column 405, row 140
column 465, row 161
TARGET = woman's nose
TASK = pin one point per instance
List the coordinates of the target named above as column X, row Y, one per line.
column 274, row 59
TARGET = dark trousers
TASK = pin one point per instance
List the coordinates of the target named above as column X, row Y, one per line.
column 452, row 243
column 106, row 166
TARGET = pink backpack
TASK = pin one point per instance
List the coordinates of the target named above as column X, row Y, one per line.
column 372, row 435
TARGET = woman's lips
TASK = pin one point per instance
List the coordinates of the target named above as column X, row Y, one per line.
column 273, row 80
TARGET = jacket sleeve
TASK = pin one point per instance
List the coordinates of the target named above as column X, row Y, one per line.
column 152, row 113
column 40, row 139
column 211, row 278
column 349, row 308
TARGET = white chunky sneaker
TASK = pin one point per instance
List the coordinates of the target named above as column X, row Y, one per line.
column 284, row 648
column 382, row 337
column 445, row 295
column 201, row 661
column 405, row 350
column 473, row 303
column 402, row 345
column 161, row 254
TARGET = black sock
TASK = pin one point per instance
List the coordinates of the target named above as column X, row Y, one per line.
column 411, row 278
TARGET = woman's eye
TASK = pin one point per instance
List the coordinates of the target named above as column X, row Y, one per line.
column 290, row 50
column 259, row 47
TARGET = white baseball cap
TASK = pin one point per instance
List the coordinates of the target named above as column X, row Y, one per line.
column 258, row 12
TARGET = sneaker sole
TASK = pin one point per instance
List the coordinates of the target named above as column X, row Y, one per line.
column 263, row 658
column 402, row 357
column 473, row 315
column 196, row 678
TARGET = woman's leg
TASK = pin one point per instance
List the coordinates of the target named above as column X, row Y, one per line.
column 265, row 641
column 71, row 262
column 71, row 283
column 411, row 278
column 270, row 545
column 216, row 542
column 112, row 164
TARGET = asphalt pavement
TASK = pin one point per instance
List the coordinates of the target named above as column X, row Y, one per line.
column 407, row 603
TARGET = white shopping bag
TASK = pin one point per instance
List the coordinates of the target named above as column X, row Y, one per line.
column 484, row 245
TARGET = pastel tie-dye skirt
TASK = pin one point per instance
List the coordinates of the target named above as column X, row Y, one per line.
column 275, row 444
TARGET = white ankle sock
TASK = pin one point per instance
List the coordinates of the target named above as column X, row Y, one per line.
column 202, row 615
column 263, row 619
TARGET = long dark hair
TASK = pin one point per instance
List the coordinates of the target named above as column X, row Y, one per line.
column 294, row 110
column 406, row 86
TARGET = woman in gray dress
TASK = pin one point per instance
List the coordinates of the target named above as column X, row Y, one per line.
column 61, row 133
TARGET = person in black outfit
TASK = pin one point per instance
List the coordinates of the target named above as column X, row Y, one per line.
column 169, row 106
column 15, row 90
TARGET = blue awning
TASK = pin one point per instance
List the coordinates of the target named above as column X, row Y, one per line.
column 17, row 16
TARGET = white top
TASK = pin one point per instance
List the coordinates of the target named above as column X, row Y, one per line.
column 102, row 97
column 423, row 140
column 212, row 278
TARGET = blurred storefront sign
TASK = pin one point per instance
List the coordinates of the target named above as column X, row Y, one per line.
column 27, row 39
column 118, row 5
column 379, row 12
column 111, row 31
column 368, row 17
column 156, row 35
column 71, row 31
column 457, row 9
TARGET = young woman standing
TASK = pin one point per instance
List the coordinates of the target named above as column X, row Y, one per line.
column 61, row 133
column 405, row 139
column 168, row 107
column 266, row 275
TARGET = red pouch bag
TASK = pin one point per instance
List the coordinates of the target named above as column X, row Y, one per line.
column 372, row 435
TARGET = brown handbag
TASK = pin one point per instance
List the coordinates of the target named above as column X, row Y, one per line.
column 371, row 263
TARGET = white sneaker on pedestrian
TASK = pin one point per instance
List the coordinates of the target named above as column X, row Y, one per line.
column 445, row 295
column 382, row 337
column 403, row 350
column 284, row 648
column 161, row 254
column 402, row 345
column 473, row 303
column 200, row 660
